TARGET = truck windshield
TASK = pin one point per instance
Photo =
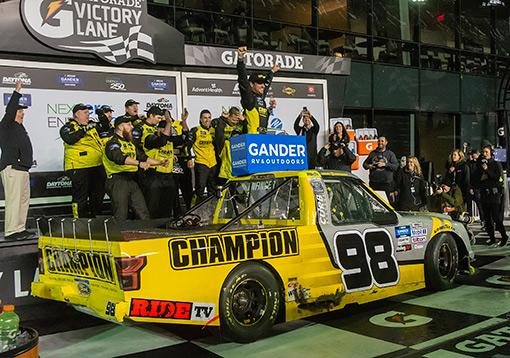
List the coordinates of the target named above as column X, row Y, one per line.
column 281, row 202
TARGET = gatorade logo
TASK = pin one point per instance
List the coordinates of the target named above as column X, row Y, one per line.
column 370, row 146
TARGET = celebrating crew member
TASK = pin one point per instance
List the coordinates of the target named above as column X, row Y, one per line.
column 158, row 186
column 201, row 138
column 121, row 160
column 339, row 157
column 105, row 128
column 309, row 129
column 83, row 153
column 132, row 111
column 182, row 174
column 253, row 93
column 15, row 162
column 226, row 124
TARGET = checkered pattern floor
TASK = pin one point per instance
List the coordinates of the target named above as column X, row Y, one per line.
column 471, row 320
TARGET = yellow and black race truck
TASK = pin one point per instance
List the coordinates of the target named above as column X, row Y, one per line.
column 269, row 248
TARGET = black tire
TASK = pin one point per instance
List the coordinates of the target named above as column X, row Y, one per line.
column 249, row 302
column 441, row 263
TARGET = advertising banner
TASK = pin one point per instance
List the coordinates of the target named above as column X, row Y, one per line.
column 219, row 93
column 258, row 153
column 265, row 60
column 51, row 94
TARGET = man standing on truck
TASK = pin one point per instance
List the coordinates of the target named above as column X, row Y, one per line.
column 253, row 93
column 121, row 160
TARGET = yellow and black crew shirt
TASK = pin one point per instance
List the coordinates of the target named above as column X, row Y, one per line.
column 158, row 146
column 83, row 146
column 116, row 151
column 257, row 115
column 202, row 141
column 223, row 132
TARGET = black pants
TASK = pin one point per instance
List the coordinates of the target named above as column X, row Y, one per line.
column 184, row 182
column 159, row 192
column 88, row 191
column 125, row 193
column 204, row 177
column 491, row 213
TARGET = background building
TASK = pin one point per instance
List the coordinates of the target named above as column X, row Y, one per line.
column 424, row 72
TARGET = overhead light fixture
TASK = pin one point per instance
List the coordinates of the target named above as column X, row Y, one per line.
column 493, row 3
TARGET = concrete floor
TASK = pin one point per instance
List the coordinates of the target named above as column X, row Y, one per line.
column 471, row 320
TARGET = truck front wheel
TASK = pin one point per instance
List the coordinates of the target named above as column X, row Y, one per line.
column 441, row 263
column 249, row 302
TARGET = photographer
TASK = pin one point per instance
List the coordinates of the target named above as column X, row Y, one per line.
column 83, row 161
column 339, row 157
column 382, row 163
column 491, row 191
column 309, row 129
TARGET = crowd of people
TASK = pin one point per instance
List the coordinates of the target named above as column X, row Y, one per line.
column 145, row 162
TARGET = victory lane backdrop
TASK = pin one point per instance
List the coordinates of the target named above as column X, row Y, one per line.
column 219, row 93
column 50, row 96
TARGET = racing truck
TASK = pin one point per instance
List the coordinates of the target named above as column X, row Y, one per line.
column 265, row 249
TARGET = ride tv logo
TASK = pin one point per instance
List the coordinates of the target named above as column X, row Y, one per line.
column 116, row 31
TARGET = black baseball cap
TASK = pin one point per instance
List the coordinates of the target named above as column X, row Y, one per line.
column 162, row 124
column 20, row 106
column 154, row 110
column 130, row 102
column 122, row 119
column 105, row 109
column 80, row 107
column 257, row 78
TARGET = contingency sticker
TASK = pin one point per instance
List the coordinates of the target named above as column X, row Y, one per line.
column 402, row 231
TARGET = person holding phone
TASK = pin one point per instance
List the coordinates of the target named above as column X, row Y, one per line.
column 309, row 129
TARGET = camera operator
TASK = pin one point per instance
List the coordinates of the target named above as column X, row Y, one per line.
column 452, row 203
column 491, row 195
column 83, row 161
column 339, row 156
column 309, row 129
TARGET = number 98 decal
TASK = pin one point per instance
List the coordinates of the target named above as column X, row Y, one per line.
column 366, row 259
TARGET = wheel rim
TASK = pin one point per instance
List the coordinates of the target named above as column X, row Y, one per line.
column 249, row 302
column 445, row 260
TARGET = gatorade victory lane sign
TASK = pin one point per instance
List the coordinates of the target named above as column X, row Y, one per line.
column 114, row 30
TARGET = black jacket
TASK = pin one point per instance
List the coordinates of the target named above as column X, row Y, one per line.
column 14, row 141
column 460, row 176
column 491, row 181
column 383, row 174
column 311, row 139
column 411, row 191
column 342, row 162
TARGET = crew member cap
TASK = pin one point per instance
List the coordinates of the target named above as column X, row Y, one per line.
column 20, row 106
column 80, row 107
column 105, row 109
column 257, row 78
column 162, row 124
column 156, row 111
column 122, row 119
column 130, row 102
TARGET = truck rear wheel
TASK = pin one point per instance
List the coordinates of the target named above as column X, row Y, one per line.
column 249, row 302
column 441, row 263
